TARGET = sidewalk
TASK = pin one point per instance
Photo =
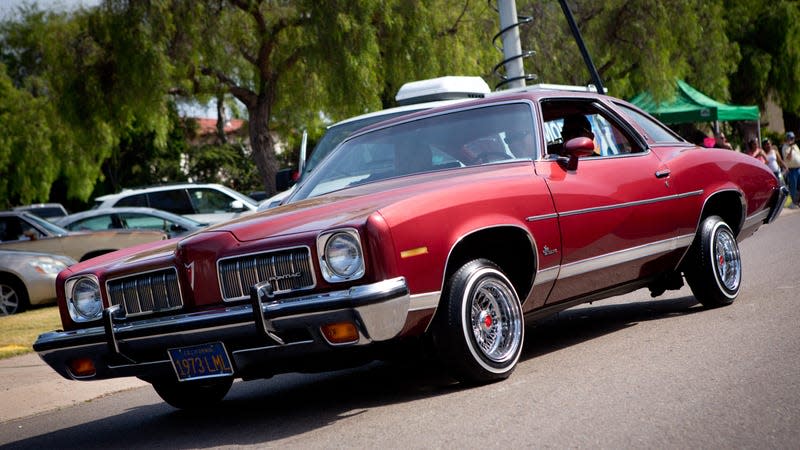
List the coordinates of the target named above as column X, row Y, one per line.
column 31, row 387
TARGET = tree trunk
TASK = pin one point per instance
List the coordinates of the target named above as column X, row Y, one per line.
column 263, row 145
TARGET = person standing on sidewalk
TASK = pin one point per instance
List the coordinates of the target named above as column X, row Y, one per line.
column 791, row 157
column 774, row 159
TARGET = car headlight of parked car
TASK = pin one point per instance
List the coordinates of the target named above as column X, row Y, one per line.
column 83, row 298
column 47, row 265
column 341, row 258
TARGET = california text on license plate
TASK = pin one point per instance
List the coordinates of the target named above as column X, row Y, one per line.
column 201, row 361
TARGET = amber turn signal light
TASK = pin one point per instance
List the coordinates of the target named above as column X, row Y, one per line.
column 82, row 367
column 340, row 333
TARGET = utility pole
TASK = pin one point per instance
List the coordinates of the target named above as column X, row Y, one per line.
column 512, row 49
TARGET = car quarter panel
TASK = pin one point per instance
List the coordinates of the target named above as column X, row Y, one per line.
column 715, row 172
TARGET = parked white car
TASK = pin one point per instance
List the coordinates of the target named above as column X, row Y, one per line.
column 205, row 203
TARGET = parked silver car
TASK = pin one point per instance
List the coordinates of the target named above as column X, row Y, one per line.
column 47, row 211
column 28, row 278
column 130, row 218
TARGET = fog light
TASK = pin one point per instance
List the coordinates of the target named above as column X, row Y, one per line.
column 82, row 367
column 340, row 333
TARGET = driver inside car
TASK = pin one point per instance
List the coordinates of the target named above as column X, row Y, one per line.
column 577, row 125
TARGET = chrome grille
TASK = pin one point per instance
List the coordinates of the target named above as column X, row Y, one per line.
column 287, row 270
column 146, row 293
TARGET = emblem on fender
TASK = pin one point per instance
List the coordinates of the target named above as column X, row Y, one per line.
column 547, row 251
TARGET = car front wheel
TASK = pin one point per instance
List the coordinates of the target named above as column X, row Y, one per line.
column 13, row 298
column 193, row 394
column 714, row 268
column 479, row 329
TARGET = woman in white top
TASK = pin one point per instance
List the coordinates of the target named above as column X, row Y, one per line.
column 774, row 160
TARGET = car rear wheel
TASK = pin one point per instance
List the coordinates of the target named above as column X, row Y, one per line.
column 714, row 268
column 193, row 394
column 13, row 297
column 479, row 329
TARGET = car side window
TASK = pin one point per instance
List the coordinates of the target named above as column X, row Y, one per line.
column 209, row 201
column 10, row 229
column 133, row 200
column 141, row 221
column 16, row 229
column 568, row 119
column 174, row 200
column 103, row 222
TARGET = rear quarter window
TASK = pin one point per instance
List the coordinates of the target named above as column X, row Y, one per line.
column 132, row 200
column 175, row 201
column 654, row 130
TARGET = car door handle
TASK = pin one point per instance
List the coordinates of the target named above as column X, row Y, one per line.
column 662, row 173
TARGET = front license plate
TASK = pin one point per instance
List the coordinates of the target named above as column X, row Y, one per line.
column 201, row 361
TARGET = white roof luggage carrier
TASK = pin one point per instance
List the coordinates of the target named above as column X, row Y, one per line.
column 442, row 88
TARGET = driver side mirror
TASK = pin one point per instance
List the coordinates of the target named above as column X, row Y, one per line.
column 574, row 149
column 237, row 206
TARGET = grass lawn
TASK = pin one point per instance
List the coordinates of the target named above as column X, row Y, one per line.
column 18, row 331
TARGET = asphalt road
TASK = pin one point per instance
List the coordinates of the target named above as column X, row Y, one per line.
column 630, row 372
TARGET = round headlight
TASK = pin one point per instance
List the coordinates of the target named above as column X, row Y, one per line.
column 85, row 300
column 343, row 256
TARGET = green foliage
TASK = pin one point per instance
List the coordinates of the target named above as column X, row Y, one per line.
column 228, row 164
column 28, row 162
column 635, row 44
column 288, row 61
column 85, row 98
column 768, row 33
column 92, row 78
column 140, row 160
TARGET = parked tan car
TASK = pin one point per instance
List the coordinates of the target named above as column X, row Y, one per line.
column 24, row 231
column 28, row 278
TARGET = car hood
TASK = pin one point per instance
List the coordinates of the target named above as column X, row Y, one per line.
column 356, row 204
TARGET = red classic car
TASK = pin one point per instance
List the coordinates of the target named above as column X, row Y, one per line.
column 449, row 227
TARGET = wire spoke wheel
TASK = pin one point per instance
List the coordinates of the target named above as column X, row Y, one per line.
column 726, row 257
column 496, row 324
column 479, row 328
column 713, row 267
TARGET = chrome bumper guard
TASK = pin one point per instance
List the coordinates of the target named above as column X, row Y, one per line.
column 780, row 199
column 379, row 311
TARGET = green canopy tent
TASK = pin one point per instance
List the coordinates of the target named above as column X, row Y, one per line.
column 690, row 105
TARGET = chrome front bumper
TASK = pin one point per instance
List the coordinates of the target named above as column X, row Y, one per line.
column 256, row 342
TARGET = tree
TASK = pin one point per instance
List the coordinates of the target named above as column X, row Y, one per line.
column 28, row 165
column 635, row 44
column 90, row 77
column 287, row 61
column 768, row 33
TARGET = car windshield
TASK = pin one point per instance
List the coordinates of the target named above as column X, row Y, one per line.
column 445, row 141
column 51, row 228
column 337, row 133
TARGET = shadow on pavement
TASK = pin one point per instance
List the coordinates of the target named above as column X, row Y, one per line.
column 264, row 411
